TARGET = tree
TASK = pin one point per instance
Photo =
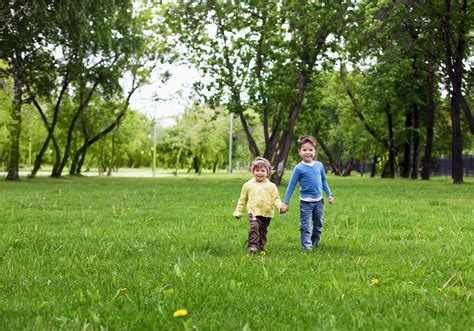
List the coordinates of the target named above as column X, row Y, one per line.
column 456, row 23
column 99, row 43
column 22, row 25
column 260, row 56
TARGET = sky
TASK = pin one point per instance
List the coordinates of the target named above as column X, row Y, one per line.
column 164, row 101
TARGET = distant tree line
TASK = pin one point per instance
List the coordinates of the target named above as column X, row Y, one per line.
column 385, row 83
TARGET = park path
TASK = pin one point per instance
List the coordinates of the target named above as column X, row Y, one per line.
column 131, row 173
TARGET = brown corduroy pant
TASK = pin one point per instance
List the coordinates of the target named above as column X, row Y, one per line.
column 258, row 231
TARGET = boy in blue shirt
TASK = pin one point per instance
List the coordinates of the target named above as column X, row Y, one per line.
column 312, row 178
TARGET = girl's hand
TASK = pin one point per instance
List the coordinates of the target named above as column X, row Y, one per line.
column 284, row 208
column 331, row 200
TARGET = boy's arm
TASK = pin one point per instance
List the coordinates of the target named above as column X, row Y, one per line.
column 291, row 186
column 242, row 202
column 326, row 186
column 295, row 175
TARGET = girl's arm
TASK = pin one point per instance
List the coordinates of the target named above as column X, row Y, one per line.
column 276, row 198
column 239, row 210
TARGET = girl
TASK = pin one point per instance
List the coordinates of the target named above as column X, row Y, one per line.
column 261, row 198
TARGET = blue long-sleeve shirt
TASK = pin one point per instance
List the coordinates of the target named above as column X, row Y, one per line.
column 312, row 179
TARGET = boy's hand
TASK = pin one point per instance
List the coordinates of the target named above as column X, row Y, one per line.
column 283, row 208
column 331, row 200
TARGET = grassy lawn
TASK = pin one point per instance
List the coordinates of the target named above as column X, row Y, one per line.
column 125, row 253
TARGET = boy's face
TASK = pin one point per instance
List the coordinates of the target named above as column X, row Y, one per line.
column 307, row 152
column 260, row 174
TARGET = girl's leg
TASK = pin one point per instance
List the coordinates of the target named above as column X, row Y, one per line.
column 318, row 215
column 254, row 233
column 306, row 211
column 264, row 222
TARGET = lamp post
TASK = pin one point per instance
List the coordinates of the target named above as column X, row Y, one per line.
column 230, row 144
column 154, row 148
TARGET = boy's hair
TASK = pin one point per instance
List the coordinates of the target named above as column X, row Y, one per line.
column 306, row 139
column 261, row 162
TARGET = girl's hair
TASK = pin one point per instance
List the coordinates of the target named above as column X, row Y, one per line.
column 306, row 139
column 261, row 162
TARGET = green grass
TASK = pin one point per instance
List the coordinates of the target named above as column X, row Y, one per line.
column 70, row 247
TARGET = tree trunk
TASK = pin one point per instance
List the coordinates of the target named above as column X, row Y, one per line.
column 373, row 170
column 80, row 154
column 456, row 146
column 252, row 144
column 114, row 124
column 405, row 173
column 391, row 151
column 67, row 148
column 455, row 72
column 416, row 142
column 329, row 155
column 78, row 161
column 13, row 166
column 196, row 164
column 430, row 118
column 81, row 162
column 348, row 168
column 50, row 129
column 281, row 156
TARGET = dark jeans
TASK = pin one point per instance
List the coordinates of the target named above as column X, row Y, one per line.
column 258, row 231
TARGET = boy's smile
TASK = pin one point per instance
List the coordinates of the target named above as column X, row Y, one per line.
column 307, row 152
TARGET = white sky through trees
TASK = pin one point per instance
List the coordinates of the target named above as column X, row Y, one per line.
column 164, row 101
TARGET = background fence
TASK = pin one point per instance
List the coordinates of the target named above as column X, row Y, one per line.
column 443, row 166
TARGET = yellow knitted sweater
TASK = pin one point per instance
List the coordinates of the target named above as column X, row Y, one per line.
column 261, row 198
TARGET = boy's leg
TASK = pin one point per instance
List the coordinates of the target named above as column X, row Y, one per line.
column 318, row 215
column 306, row 211
column 264, row 222
column 254, row 233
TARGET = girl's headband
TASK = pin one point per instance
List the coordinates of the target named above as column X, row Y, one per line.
column 257, row 162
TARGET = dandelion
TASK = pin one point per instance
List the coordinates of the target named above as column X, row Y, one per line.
column 374, row 281
column 262, row 253
column 440, row 289
column 180, row 313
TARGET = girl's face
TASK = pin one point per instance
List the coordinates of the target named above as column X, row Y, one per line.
column 260, row 174
column 307, row 152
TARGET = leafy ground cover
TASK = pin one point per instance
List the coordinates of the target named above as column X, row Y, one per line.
column 127, row 253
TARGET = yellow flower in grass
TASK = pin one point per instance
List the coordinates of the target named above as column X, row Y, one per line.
column 374, row 281
column 262, row 253
column 180, row 313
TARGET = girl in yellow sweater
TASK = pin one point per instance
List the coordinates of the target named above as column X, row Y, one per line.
column 261, row 198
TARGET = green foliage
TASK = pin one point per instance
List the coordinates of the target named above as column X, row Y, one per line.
column 258, row 56
column 127, row 253
column 200, row 139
